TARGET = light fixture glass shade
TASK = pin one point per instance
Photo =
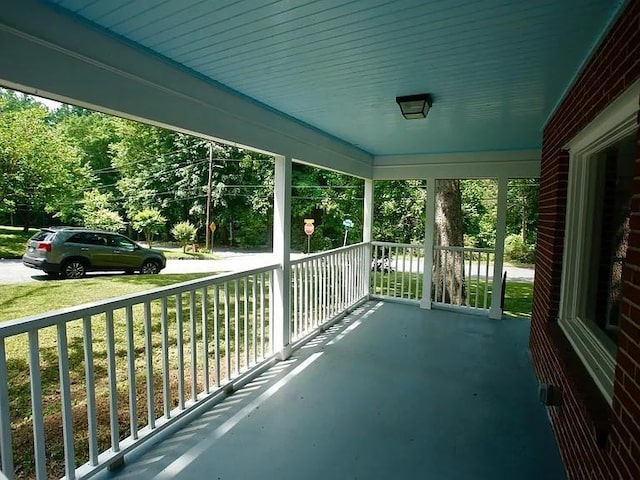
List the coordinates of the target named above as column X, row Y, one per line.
column 414, row 106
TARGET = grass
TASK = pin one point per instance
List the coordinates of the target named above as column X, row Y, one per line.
column 178, row 254
column 25, row 299
column 13, row 241
column 517, row 300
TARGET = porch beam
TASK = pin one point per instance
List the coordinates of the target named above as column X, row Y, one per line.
column 429, row 231
column 501, row 228
column 281, row 251
column 512, row 164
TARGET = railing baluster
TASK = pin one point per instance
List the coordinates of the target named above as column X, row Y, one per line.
column 113, row 388
column 37, row 413
column 205, row 339
column 295, row 327
column 404, row 271
column 270, row 324
column 469, row 280
column 462, row 299
column 395, row 272
column 148, row 354
column 227, row 331
column 180, row 344
column 192, row 340
column 307, row 313
column 478, row 279
column 164, row 332
column 92, row 422
column 236, row 324
column 246, row 322
column 262, row 314
column 216, row 331
column 316, row 292
column 6, row 449
column 65, row 401
column 131, row 374
column 254, row 317
column 486, row 282
column 300, row 300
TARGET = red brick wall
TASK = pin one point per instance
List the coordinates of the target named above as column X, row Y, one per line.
column 579, row 423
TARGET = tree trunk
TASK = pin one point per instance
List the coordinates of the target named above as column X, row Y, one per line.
column 449, row 266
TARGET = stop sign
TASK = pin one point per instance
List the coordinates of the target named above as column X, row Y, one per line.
column 308, row 228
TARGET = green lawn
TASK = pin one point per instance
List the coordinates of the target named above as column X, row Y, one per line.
column 13, row 241
column 24, row 299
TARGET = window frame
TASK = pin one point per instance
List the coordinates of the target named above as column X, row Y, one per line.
column 596, row 351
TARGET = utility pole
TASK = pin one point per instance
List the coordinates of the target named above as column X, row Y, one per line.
column 209, row 197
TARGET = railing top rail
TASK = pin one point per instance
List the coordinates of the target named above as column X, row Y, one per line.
column 43, row 320
column 465, row 249
column 326, row 253
column 391, row 244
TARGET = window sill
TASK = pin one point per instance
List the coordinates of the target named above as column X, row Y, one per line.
column 590, row 399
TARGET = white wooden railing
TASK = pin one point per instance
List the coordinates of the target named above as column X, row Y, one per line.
column 462, row 276
column 397, row 271
column 325, row 285
column 111, row 374
column 118, row 371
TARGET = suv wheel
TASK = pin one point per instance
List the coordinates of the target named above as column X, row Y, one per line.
column 73, row 269
column 149, row 267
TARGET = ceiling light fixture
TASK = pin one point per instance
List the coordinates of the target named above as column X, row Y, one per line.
column 414, row 106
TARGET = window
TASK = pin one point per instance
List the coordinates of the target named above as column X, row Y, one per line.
column 601, row 165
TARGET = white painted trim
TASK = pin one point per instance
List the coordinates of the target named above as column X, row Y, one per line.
column 615, row 122
column 512, row 164
column 282, row 254
column 458, row 157
column 50, row 54
column 501, row 229
column 609, row 125
column 600, row 362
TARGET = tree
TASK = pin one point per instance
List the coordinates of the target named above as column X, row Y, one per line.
column 399, row 211
column 97, row 212
column 184, row 233
column 449, row 232
column 149, row 221
column 41, row 168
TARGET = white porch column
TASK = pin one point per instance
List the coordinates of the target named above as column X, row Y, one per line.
column 367, row 226
column 429, row 229
column 501, row 228
column 281, row 251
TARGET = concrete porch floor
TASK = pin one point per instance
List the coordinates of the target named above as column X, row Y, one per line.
column 391, row 392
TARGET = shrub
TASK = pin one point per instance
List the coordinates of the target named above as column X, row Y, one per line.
column 184, row 233
column 103, row 220
column 515, row 250
column 149, row 221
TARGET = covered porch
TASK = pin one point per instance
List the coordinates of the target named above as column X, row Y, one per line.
column 391, row 391
column 295, row 369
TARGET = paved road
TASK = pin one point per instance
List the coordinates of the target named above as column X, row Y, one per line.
column 12, row 271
